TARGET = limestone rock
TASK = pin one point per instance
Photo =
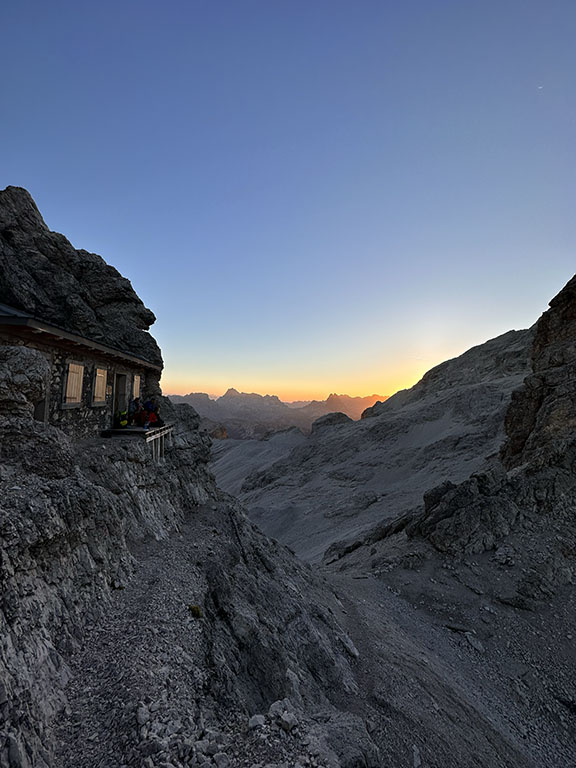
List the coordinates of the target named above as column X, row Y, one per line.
column 23, row 378
column 542, row 414
column 288, row 721
column 256, row 721
column 42, row 274
column 330, row 420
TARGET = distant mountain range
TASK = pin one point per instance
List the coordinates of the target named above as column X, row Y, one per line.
column 251, row 415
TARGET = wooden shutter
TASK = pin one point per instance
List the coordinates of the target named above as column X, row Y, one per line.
column 136, row 387
column 74, row 383
column 100, row 385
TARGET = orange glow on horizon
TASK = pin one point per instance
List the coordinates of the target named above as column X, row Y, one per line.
column 385, row 384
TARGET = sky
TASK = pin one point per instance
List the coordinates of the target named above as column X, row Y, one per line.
column 313, row 196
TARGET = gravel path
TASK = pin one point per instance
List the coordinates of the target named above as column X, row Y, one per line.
column 138, row 692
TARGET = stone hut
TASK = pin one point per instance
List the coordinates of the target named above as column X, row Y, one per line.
column 81, row 314
column 89, row 382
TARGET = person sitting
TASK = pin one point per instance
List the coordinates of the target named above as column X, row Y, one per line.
column 152, row 410
column 140, row 417
column 120, row 420
column 159, row 422
column 135, row 409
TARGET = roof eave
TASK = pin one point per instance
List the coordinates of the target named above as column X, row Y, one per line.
column 58, row 333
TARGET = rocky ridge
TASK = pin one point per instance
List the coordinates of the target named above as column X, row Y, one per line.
column 532, row 480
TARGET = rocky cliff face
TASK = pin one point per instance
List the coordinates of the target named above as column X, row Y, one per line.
column 541, row 419
column 145, row 584
column 89, row 297
column 67, row 515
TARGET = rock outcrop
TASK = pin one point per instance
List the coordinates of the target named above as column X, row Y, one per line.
column 330, row 420
column 541, row 419
column 23, row 377
column 89, row 297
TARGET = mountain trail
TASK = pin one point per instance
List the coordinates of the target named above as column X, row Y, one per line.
column 140, row 674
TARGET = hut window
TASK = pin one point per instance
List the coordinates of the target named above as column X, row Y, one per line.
column 74, row 383
column 100, row 385
column 136, row 387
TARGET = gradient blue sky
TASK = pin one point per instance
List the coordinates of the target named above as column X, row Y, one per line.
column 312, row 195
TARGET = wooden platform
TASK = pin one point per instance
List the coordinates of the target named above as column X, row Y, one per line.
column 150, row 433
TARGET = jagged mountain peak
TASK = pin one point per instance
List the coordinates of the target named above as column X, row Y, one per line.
column 18, row 211
column 231, row 392
column 254, row 415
